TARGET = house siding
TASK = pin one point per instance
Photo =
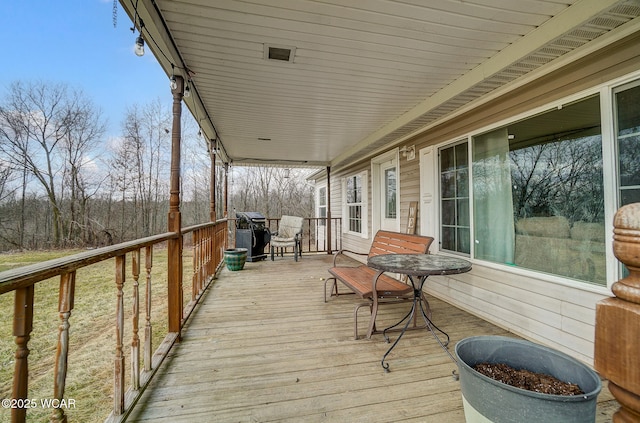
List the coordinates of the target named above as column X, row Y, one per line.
column 561, row 315
column 409, row 190
column 351, row 242
column 547, row 309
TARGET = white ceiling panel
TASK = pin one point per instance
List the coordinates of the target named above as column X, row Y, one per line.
column 364, row 73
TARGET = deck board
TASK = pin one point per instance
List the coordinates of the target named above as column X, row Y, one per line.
column 263, row 346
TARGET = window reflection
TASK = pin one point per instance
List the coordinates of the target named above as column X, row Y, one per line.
column 538, row 193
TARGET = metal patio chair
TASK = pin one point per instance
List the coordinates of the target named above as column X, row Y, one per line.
column 289, row 234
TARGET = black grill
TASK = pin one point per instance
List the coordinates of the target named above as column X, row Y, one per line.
column 252, row 234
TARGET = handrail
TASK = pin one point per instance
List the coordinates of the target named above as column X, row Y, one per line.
column 208, row 243
column 22, row 276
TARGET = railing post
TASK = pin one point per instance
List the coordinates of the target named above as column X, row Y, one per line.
column 118, row 367
column 328, row 224
column 22, row 327
column 617, row 342
column 65, row 306
column 174, row 277
column 212, row 182
column 148, row 330
column 226, row 191
column 135, row 320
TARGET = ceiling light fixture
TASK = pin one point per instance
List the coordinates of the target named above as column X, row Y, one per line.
column 409, row 152
column 139, row 47
column 173, row 84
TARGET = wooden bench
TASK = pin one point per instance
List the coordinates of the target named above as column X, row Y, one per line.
column 373, row 285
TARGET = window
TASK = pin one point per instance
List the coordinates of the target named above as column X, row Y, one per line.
column 355, row 192
column 390, row 193
column 454, row 199
column 538, row 194
column 322, row 206
column 627, row 108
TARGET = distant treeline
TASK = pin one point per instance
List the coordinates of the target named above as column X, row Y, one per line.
column 64, row 183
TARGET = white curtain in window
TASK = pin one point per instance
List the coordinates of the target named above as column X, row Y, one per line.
column 492, row 201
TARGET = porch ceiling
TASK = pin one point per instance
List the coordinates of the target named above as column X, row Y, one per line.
column 363, row 75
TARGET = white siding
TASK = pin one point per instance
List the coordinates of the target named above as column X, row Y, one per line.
column 527, row 306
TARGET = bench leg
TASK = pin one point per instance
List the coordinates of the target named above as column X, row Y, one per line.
column 372, row 319
column 333, row 289
column 355, row 320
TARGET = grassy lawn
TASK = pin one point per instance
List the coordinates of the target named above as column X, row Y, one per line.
column 92, row 332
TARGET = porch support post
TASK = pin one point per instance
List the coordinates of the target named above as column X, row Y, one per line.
column 329, row 225
column 617, row 342
column 174, row 277
column 226, row 190
column 212, row 183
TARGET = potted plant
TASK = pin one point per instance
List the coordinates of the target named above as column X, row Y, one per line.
column 235, row 258
column 488, row 400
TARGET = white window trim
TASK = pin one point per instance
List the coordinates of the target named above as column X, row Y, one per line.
column 376, row 211
column 319, row 187
column 364, row 204
column 438, row 203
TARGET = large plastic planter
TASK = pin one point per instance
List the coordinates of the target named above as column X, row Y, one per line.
column 487, row 400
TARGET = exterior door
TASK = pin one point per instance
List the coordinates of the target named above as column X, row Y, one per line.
column 388, row 186
column 428, row 211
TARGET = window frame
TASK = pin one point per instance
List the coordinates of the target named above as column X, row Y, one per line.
column 441, row 224
column 319, row 205
column 363, row 204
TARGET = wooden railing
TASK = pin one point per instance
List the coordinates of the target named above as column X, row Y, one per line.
column 207, row 241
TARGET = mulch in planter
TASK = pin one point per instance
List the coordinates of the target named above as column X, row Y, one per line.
column 525, row 379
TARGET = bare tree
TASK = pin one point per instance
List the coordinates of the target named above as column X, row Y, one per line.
column 272, row 191
column 139, row 166
column 83, row 128
column 36, row 120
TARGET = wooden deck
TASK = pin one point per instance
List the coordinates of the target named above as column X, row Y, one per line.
column 263, row 346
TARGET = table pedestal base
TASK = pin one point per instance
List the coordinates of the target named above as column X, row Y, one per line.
column 417, row 304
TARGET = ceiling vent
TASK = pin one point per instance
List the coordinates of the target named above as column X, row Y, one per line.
column 279, row 53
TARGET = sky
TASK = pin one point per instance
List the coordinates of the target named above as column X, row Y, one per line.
column 75, row 42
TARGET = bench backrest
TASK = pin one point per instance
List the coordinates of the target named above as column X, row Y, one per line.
column 387, row 242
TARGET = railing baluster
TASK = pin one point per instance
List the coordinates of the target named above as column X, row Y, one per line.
column 135, row 341
column 204, row 259
column 65, row 306
column 211, row 248
column 22, row 326
column 195, row 238
column 118, row 383
column 147, row 327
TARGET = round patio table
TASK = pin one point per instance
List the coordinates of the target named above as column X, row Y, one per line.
column 419, row 266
